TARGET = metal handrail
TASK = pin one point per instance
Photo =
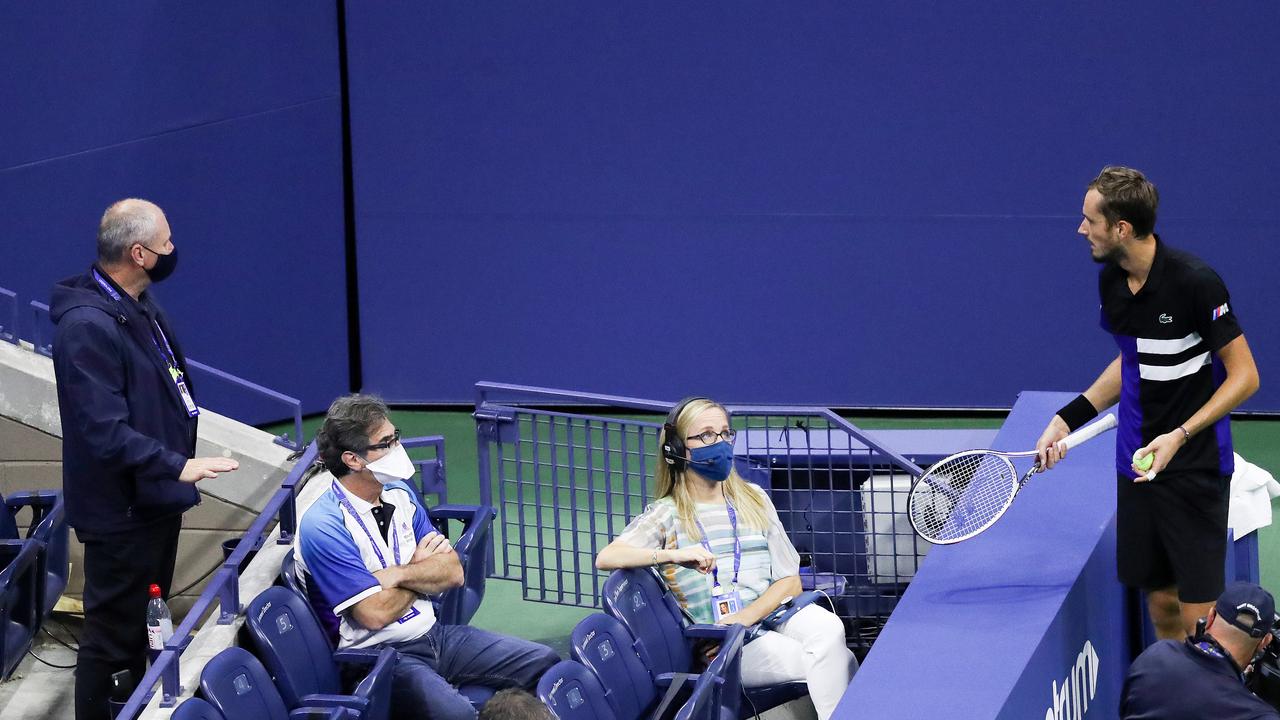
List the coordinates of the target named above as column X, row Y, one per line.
column 294, row 404
column 9, row 331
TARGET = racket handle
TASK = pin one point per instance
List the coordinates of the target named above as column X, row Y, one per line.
column 1088, row 432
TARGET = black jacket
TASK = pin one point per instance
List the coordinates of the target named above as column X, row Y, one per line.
column 1174, row 680
column 125, row 431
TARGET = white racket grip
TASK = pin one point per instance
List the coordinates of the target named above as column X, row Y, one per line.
column 1088, row 432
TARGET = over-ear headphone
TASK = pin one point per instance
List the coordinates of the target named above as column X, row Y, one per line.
column 673, row 447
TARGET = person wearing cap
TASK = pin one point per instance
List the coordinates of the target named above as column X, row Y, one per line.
column 1204, row 676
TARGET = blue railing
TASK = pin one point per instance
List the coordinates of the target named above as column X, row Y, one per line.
column 291, row 404
column 566, row 483
column 41, row 336
column 9, row 330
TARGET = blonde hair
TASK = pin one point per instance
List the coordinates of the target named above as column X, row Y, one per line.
column 747, row 501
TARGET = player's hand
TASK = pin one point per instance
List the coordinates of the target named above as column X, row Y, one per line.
column 707, row 649
column 1049, row 449
column 694, row 557
column 1165, row 447
column 433, row 543
column 198, row 469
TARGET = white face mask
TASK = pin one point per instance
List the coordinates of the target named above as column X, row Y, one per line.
column 393, row 466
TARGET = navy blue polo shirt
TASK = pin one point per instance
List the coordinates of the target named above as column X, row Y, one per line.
column 1174, row 680
column 1169, row 333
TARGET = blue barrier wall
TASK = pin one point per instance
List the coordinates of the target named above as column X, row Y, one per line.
column 1026, row 620
column 825, row 202
column 228, row 115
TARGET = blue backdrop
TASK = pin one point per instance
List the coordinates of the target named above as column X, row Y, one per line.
column 228, row 115
column 838, row 203
column 845, row 203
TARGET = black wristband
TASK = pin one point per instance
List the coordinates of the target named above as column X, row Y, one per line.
column 1077, row 412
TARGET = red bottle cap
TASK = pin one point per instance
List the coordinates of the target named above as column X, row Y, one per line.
column 155, row 590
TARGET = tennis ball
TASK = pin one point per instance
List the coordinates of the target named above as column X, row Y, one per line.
column 1143, row 461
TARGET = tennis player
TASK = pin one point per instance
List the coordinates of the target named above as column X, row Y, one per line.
column 1183, row 366
column 718, row 543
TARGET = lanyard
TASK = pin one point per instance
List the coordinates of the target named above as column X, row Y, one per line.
column 395, row 536
column 737, row 544
column 167, row 350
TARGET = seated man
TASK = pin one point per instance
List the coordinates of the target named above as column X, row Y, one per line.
column 369, row 558
column 1203, row 677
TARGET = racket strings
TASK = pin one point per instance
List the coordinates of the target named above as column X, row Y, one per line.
column 961, row 496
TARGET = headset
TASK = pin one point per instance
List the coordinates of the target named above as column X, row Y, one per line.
column 673, row 447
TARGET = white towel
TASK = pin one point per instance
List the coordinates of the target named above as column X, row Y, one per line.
column 1251, row 491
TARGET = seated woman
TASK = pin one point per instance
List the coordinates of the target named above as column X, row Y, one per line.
column 717, row 541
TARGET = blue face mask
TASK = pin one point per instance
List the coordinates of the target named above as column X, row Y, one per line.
column 712, row 462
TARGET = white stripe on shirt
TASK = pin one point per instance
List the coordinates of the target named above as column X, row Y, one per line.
column 1168, row 347
column 1174, row 372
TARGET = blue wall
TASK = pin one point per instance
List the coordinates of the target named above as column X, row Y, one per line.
column 1002, row 623
column 819, row 204
column 228, row 115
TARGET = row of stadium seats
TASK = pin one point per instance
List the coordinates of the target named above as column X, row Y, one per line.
column 35, row 570
column 296, row 671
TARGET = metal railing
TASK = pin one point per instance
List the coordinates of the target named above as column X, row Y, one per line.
column 567, row 483
column 41, row 336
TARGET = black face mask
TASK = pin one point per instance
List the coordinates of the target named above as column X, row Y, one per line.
column 165, row 264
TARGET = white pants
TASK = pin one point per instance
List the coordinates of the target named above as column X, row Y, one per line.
column 810, row 648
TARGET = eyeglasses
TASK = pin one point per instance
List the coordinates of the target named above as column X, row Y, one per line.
column 708, row 437
column 394, row 441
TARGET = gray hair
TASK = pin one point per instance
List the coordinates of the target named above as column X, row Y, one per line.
column 346, row 427
column 125, row 223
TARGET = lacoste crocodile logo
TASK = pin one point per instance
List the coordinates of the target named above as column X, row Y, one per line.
column 1165, row 318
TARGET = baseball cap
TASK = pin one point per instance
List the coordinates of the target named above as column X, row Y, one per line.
column 1247, row 607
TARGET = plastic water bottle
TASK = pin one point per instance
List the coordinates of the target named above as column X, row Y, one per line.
column 159, row 622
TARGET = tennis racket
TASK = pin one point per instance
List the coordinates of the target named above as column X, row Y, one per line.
column 964, row 494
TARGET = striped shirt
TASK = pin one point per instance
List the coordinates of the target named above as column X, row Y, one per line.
column 767, row 556
column 1169, row 333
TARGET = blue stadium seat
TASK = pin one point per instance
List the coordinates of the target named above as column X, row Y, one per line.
column 718, row 693
column 295, row 649
column 237, row 685
column 663, row 636
column 196, row 709
column 574, row 693
column 457, row 606
column 603, row 645
column 19, row 600
column 49, row 526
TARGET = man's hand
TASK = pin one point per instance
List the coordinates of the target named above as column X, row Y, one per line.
column 694, row 557
column 432, row 544
column 1165, row 447
column 389, row 577
column 1048, row 450
column 198, row 469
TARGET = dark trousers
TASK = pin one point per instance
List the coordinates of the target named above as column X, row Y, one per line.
column 430, row 668
column 118, row 570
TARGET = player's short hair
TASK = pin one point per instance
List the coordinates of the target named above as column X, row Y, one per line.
column 1127, row 195
column 346, row 427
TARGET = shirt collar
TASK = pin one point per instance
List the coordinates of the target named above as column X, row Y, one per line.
column 360, row 505
column 1157, row 268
